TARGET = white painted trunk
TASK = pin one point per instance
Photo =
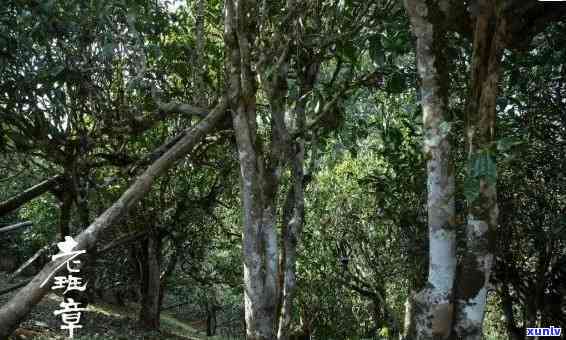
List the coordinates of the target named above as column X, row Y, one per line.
column 433, row 305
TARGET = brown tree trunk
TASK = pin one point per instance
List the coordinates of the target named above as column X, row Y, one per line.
column 151, row 282
column 433, row 307
column 65, row 215
column 211, row 308
column 167, row 273
column 23, row 301
column 475, row 269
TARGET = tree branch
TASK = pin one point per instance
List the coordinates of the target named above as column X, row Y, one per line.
column 176, row 107
column 123, row 240
column 30, row 261
column 14, row 287
column 27, row 195
column 15, row 226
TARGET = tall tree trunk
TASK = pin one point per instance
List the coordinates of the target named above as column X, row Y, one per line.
column 474, row 272
column 433, row 304
column 262, row 165
column 294, row 210
column 258, row 182
column 151, row 283
column 24, row 300
column 291, row 234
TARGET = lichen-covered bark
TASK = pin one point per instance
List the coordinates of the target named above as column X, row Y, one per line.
column 269, row 288
column 433, row 307
column 258, row 182
column 293, row 220
column 475, row 269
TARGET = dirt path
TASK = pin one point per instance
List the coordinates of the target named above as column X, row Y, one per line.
column 100, row 321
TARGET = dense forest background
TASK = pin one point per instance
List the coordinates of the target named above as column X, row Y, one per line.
column 285, row 169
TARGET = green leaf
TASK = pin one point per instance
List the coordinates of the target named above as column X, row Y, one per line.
column 108, row 50
column 505, row 144
column 445, row 128
column 57, row 70
column 471, row 188
column 396, row 84
column 483, row 165
column 347, row 50
column 376, row 51
column 317, row 107
column 492, row 173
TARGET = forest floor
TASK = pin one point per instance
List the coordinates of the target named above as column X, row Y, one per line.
column 100, row 321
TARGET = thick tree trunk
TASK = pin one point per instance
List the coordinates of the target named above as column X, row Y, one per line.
column 258, row 184
column 27, row 195
column 474, row 272
column 259, row 238
column 261, row 166
column 151, row 283
column 433, row 304
column 83, row 211
column 22, row 302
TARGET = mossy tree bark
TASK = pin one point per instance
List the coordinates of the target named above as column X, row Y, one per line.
column 433, row 306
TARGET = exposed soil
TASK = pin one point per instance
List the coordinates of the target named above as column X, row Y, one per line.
column 100, row 321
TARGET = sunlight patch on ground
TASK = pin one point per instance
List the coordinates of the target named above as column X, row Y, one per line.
column 180, row 328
